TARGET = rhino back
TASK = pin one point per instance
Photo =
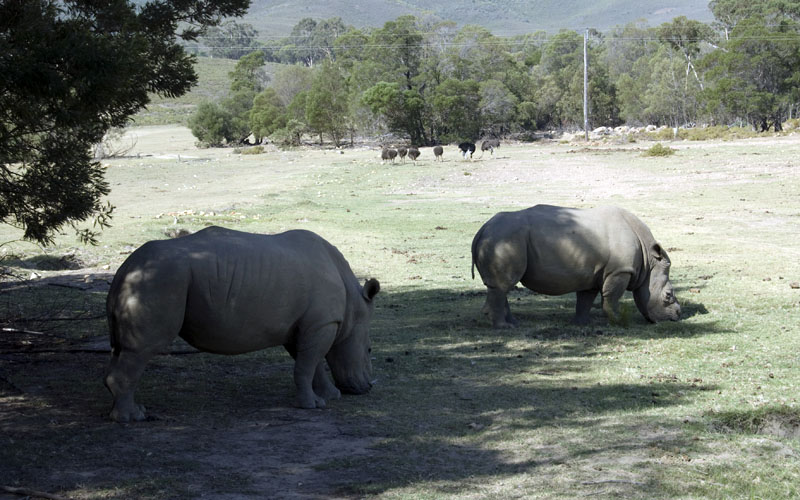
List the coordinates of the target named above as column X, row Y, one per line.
column 558, row 250
column 574, row 249
column 242, row 291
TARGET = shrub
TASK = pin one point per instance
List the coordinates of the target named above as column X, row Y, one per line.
column 290, row 134
column 659, row 149
column 255, row 150
column 211, row 124
column 719, row 132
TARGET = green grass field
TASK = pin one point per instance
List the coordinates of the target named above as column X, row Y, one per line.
column 703, row 408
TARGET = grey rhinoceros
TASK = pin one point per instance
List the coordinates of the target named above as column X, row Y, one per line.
column 556, row 250
column 230, row 292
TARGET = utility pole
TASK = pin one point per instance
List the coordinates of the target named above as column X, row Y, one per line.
column 585, row 86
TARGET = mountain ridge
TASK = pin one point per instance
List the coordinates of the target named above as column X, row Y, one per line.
column 503, row 18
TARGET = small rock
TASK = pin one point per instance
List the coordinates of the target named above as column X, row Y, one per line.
column 795, row 284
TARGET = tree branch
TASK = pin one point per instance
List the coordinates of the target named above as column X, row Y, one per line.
column 31, row 493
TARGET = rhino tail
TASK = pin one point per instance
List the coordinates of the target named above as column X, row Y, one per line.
column 475, row 241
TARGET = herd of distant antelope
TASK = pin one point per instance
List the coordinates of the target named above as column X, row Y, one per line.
column 466, row 149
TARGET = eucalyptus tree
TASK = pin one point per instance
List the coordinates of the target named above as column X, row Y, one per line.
column 327, row 103
column 456, row 110
column 396, row 54
column 559, row 85
column 686, row 37
column 268, row 114
column 231, row 40
column 756, row 74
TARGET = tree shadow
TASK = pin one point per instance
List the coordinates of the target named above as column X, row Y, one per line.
column 449, row 389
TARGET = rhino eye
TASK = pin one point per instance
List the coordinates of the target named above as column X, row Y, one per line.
column 669, row 298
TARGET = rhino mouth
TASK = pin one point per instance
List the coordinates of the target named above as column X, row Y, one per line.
column 359, row 387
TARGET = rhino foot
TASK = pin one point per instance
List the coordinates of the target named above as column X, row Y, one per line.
column 580, row 320
column 310, row 402
column 330, row 393
column 134, row 414
column 505, row 324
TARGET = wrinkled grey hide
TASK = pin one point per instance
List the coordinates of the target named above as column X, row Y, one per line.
column 230, row 292
column 555, row 250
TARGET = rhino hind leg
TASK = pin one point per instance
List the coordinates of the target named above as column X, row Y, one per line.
column 497, row 308
column 583, row 306
column 123, row 375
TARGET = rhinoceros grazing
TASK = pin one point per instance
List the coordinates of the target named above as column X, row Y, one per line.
column 230, row 292
column 556, row 250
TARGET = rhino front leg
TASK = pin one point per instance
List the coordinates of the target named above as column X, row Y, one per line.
column 497, row 308
column 310, row 351
column 583, row 306
column 323, row 385
column 614, row 287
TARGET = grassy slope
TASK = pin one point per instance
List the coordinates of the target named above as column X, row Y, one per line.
column 549, row 409
column 212, row 85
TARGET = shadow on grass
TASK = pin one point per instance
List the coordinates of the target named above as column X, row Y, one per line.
column 445, row 378
column 450, row 390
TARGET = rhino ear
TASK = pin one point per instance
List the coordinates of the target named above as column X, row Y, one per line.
column 657, row 252
column 371, row 288
column 660, row 255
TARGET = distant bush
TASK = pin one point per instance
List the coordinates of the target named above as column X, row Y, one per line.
column 716, row 132
column 255, row 150
column 659, row 149
column 211, row 124
column 792, row 124
column 662, row 134
column 289, row 135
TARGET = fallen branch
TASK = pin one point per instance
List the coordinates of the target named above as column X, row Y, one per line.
column 27, row 332
column 77, row 318
column 31, row 493
column 88, row 350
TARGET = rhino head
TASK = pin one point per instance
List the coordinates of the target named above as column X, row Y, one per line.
column 655, row 299
column 349, row 358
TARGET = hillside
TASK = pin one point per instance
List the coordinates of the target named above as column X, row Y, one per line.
column 274, row 17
